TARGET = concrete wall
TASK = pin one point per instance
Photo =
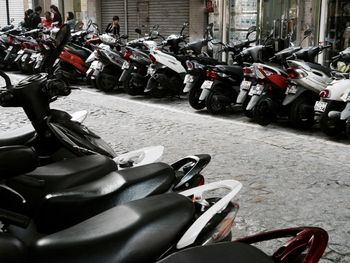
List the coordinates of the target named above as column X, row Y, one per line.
column 198, row 19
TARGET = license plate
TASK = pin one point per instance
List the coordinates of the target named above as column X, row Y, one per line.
column 96, row 65
column 10, row 48
column 39, row 58
column 245, row 85
column 126, row 65
column 320, row 106
column 207, row 84
column 20, row 52
column 292, row 89
column 256, row 90
column 24, row 57
column 188, row 79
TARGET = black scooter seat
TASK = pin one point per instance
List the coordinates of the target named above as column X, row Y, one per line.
column 76, row 204
column 321, row 68
column 235, row 70
column 139, row 231
column 21, row 136
column 231, row 252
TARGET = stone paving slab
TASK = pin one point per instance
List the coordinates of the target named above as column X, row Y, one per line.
column 289, row 178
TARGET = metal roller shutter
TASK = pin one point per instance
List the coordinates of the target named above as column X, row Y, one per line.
column 3, row 14
column 110, row 8
column 170, row 15
column 16, row 11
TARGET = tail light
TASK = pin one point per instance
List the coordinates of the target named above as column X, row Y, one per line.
column 211, row 74
column 127, row 54
column 324, row 93
column 247, row 71
column 266, row 72
column 189, row 65
column 153, row 59
column 294, row 73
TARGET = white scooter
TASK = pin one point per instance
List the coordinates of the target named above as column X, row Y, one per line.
column 333, row 101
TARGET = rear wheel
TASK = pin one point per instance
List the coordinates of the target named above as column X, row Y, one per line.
column 265, row 111
column 193, row 98
column 302, row 114
column 130, row 87
column 332, row 126
column 106, row 79
column 157, row 91
column 214, row 102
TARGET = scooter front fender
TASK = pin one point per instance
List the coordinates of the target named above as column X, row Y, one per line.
column 292, row 97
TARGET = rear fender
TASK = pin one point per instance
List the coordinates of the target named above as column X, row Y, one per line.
column 292, row 97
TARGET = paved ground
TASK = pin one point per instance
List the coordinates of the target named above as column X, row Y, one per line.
column 289, row 178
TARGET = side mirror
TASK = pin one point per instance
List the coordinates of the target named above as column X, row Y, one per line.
column 138, row 31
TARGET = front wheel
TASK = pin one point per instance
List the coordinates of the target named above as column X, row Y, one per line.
column 156, row 90
column 193, row 98
column 130, row 87
column 302, row 114
column 214, row 103
column 332, row 126
column 265, row 111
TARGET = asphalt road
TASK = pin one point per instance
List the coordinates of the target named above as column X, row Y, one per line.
column 290, row 178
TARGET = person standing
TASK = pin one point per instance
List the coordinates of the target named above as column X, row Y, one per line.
column 70, row 20
column 57, row 17
column 27, row 17
column 114, row 27
column 34, row 18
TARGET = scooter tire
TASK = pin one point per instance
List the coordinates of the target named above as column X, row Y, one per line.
column 332, row 127
column 129, row 88
column 213, row 104
column 193, row 98
column 157, row 91
column 297, row 116
column 105, row 80
column 264, row 111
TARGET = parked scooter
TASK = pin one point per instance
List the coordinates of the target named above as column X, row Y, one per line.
column 169, row 223
column 307, row 79
column 137, row 60
column 333, row 101
column 167, row 71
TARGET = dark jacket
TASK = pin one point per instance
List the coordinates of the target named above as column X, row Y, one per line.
column 57, row 18
column 34, row 20
column 114, row 31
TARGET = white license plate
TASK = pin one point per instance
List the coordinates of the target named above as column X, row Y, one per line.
column 39, row 57
column 292, row 89
column 96, row 65
column 320, row 106
column 24, row 57
column 245, row 85
column 256, row 90
column 10, row 48
column 207, row 84
column 126, row 65
column 188, row 79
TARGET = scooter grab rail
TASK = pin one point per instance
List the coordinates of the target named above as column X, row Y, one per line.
column 193, row 232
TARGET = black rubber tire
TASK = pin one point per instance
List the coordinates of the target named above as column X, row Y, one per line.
column 106, row 79
column 155, row 91
column 299, row 119
column 130, row 88
column 213, row 104
column 193, row 98
column 332, row 127
column 264, row 111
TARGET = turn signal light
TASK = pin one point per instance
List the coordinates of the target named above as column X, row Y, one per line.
column 324, row 93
